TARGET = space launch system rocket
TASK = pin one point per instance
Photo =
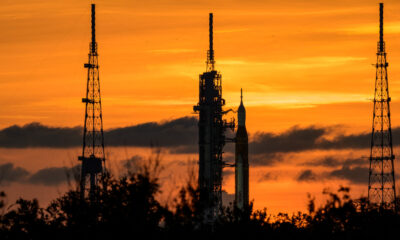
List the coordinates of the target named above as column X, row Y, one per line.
column 241, row 160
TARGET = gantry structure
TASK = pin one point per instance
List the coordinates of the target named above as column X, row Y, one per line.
column 212, row 129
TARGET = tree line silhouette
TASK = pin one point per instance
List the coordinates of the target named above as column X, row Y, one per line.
column 127, row 207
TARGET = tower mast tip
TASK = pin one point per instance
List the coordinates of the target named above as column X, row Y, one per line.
column 210, row 57
column 93, row 27
column 381, row 44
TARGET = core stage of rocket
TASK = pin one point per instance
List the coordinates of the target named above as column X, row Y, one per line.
column 241, row 160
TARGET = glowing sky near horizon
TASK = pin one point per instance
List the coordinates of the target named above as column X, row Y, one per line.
column 298, row 62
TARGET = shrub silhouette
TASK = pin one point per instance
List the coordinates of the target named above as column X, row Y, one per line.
column 128, row 206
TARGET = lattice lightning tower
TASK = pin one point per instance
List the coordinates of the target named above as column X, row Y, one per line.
column 381, row 187
column 93, row 156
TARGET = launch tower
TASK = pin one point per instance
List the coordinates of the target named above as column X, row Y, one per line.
column 211, row 132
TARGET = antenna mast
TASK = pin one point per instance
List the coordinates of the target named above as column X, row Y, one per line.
column 210, row 54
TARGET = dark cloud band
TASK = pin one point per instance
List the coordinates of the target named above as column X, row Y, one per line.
column 181, row 132
column 180, row 135
column 47, row 176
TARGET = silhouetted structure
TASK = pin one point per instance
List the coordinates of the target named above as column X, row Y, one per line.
column 241, row 160
column 93, row 157
column 211, row 132
column 381, row 187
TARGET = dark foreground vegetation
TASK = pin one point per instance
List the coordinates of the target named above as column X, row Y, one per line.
column 127, row 208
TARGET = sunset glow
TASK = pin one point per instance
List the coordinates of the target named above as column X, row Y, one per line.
column 301, row 64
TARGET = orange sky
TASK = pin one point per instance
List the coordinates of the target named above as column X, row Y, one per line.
column 281, row 193
column 293, row 58
column 299, row 62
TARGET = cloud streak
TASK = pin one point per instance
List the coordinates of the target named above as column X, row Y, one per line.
column 298, row 139
column 332, row 162
column 307, row 176
column 38, row 135
column 354, row 175
column 52, row 176
column 180, row 136
column 10, row 173
column 173, row 133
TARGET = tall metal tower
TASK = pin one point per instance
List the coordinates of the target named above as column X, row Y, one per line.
column 93, row 156
column 381, row 187
column 211, row 132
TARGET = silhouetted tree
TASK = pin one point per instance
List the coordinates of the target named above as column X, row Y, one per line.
column 128, row 206
column 26, row 221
